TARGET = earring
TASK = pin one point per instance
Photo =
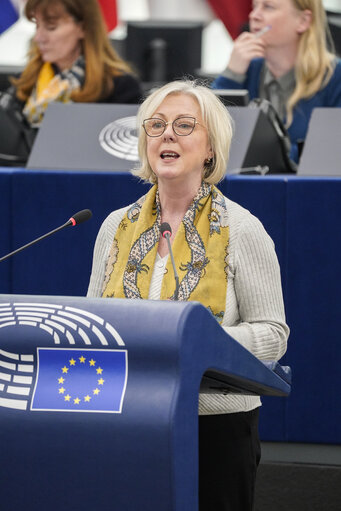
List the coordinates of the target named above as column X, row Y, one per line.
column 208, row 167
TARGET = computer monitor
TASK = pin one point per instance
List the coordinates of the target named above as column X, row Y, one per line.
column 233, row 97
column 163, row 51
column 258, row 144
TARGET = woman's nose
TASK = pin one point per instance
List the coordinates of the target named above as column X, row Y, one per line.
column 169, row 132
column 39, row 35
column 256, row 13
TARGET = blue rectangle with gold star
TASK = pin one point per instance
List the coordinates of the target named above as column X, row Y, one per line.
column 80, row 380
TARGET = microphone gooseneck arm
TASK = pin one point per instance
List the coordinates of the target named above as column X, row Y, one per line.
column 166, row 232
column 32, row 242
column 76, row 219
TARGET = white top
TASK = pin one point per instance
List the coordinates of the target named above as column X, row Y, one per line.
column 254, row 313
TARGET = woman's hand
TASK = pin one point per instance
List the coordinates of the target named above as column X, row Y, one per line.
column 246, row 47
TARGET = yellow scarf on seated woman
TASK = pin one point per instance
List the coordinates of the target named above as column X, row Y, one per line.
column 200, row 251
column 52, row 86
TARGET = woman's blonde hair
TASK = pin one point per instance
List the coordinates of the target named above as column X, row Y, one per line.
column 315, row 59
column 102, row 62
column 215, row 115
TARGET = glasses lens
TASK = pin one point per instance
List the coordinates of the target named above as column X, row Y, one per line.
column 184, row 125
column 154, row 127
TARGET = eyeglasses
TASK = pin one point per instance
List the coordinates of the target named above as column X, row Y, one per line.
column 182, row 126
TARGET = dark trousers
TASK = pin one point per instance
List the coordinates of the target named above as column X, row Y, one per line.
column 229, row 454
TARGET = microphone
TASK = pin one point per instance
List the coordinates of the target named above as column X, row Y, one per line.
column 76, row 219
column 166, row 232
column 79, row 218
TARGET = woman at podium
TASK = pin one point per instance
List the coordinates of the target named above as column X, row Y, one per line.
column 222, row 256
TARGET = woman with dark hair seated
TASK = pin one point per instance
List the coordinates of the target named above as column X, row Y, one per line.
column 70, row 59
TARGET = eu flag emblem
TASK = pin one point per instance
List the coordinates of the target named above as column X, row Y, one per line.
column 78, row 380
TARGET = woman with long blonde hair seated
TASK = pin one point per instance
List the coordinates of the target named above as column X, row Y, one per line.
column 288, row 59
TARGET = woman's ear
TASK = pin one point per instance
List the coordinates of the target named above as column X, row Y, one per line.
column 306, row 18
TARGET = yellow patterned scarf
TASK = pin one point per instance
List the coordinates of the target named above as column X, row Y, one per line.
column 200, row 251
column 53, row 87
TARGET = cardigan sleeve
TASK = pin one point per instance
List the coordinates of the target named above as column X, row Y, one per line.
column 261, row 327
column 332, row 92
column 104, row 240
column 223, row 82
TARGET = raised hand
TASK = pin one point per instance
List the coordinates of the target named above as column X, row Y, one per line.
column 246, row 47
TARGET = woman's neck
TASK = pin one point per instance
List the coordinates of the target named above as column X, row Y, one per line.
column 280, row 60
column 175, row 201
column 174, row 205
column 66, row 64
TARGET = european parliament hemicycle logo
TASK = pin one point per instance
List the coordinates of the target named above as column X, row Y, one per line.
column 119, row 138
column 81, row 372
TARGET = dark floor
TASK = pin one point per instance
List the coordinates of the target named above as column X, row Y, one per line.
column 299, row 477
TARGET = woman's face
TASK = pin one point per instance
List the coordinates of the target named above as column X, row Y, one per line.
column 175, row 158
column 285, row 20
column 58, row 37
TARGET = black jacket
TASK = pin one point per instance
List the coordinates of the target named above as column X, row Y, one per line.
column 127, row 89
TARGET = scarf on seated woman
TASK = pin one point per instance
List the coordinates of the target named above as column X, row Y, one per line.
column 53, row 86
column 200, row 250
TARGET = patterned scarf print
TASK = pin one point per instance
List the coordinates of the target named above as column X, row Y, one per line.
column 53, row 87
column 200, row 251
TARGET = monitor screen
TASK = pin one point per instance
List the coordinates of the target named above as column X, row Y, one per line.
column 162, row 51
column 233, row 97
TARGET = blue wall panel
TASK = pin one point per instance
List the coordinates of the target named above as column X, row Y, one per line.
column 61, row 264
column 5, row 230
column 314, row 309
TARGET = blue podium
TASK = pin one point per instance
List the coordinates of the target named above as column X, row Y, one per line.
column 99, row 400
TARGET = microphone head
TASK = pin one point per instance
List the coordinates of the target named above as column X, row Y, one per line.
column 165, row 228
column 81, row 216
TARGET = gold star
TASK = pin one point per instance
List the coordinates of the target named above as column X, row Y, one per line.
column 65, row 369
column 87, row 398
column 72, row 362
column 61, row 380
column 99, row 370
column 92, row 362
column 61, row 390
column 82, row 359
column 77, row 401
column 67, row 397
column 96, row 391
column 100, row 381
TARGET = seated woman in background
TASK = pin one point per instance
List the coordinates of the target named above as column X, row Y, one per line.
column 225, row 260
column 71, row 59
column 285, row 59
